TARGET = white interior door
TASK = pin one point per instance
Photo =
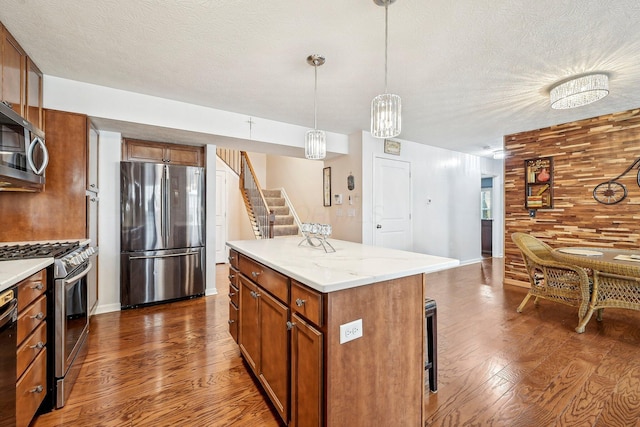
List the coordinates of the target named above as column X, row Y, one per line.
column 221, row 216
column 392, row 204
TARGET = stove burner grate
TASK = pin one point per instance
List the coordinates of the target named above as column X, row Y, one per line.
column 37, row 250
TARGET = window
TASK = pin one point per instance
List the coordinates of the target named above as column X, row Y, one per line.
column 485, row 204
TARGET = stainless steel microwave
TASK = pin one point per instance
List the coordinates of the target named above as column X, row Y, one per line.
column 23, row 153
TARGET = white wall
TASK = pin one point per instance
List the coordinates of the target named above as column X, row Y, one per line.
column 346, row 219
column 109, row 223
column 445, row 199
column 210, row 220
column 302, row 181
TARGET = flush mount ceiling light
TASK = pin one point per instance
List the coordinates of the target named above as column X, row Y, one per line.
column 386, row 109
column 579, row 91
column 315, row 144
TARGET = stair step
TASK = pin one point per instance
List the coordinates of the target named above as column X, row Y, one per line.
column 284, row 220
column 280, row 210
column 271, row 193
column 274, row 201
column 285, row 230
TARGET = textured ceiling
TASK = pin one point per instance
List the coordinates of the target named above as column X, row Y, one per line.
column 468, row 71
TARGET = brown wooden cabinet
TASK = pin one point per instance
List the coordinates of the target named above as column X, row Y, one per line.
column 263, row 336
column 13, row 72
column 31, row 372
column 234, row 295
column 330, row 382
column 306, row 373
column 59, row 212
column 33, row 95
column 159, row 152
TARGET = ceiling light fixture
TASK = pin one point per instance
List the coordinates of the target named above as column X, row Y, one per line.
column 315, row 144
column 386, row 109
column 579, row 91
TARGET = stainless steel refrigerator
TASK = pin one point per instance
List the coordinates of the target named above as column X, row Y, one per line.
column 162, row 225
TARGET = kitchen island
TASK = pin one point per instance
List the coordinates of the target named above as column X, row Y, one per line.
column 334, row 338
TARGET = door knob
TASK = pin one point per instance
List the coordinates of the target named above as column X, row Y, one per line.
column 378, row 226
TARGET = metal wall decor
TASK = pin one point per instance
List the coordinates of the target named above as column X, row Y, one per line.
column 612, row 192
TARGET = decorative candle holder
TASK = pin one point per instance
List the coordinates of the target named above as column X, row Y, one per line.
column 315, row 235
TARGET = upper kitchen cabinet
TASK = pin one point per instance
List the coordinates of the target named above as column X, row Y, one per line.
column 134, row 150
column 33, row 107
column 92, row 160
column 13, row 66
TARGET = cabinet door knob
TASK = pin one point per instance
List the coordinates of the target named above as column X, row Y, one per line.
column 231, row 276
column 38, row 346
column 230, row 321
column 255, row 274
column 290, row 325
column 38, row 316
column 231, row 294
column 255, row 294
column 378, row 226
column 38, row 286
column 300, row 302
column 37, row 389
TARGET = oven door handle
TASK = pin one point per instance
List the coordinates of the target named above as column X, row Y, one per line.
column 8, row 316
column 164, row 256
column 79, row 276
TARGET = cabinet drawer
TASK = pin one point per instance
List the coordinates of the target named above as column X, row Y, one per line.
column 274, row 282
column 306, row 302
column 233, row 321
column 30, row 348
column 233, row 277
column 233, row 259
column 234, row 295
column 31, row 317
column 31, row 390
column 31, row 288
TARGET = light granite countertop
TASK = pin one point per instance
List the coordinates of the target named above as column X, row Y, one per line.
column 12, row 272
column 351, row 265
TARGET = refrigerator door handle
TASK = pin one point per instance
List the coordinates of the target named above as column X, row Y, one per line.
column 163, row 256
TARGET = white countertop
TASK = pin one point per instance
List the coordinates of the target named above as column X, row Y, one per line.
column 351, row 265
column 12, row 272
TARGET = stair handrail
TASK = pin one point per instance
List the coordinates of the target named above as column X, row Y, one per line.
column 293, row 212
column 249, row 183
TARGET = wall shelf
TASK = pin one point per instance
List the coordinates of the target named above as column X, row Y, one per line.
column 538, row 183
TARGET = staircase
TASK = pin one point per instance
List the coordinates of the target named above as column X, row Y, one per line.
column 284, row 224
column 270, row 211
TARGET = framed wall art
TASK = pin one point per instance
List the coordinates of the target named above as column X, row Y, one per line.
column 326, row 185
column 392, row 147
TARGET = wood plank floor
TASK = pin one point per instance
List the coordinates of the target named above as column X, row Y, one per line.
column 176, row 365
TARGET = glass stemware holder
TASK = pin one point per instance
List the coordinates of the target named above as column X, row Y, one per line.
column 315, row 235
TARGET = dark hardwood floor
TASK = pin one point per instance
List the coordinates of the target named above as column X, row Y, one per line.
column 176, row 365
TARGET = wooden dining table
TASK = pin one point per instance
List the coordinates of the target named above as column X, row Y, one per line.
column 615, row 274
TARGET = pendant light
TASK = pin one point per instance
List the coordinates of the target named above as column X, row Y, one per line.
column 315, row 144
column 386, row 109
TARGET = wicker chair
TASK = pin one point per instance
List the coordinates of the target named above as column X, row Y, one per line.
column 611, row 289
column 550, row 279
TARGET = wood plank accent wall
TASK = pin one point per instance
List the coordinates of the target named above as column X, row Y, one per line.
column 585, row 153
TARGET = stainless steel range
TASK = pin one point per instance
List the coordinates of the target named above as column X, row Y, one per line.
column 70, row 312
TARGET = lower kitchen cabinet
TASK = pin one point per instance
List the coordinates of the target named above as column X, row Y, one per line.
column 289, row 334
column 31, row 351
column 306, row 374
column 264, row 341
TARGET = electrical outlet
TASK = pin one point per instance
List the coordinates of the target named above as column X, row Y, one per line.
column 350, row 331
